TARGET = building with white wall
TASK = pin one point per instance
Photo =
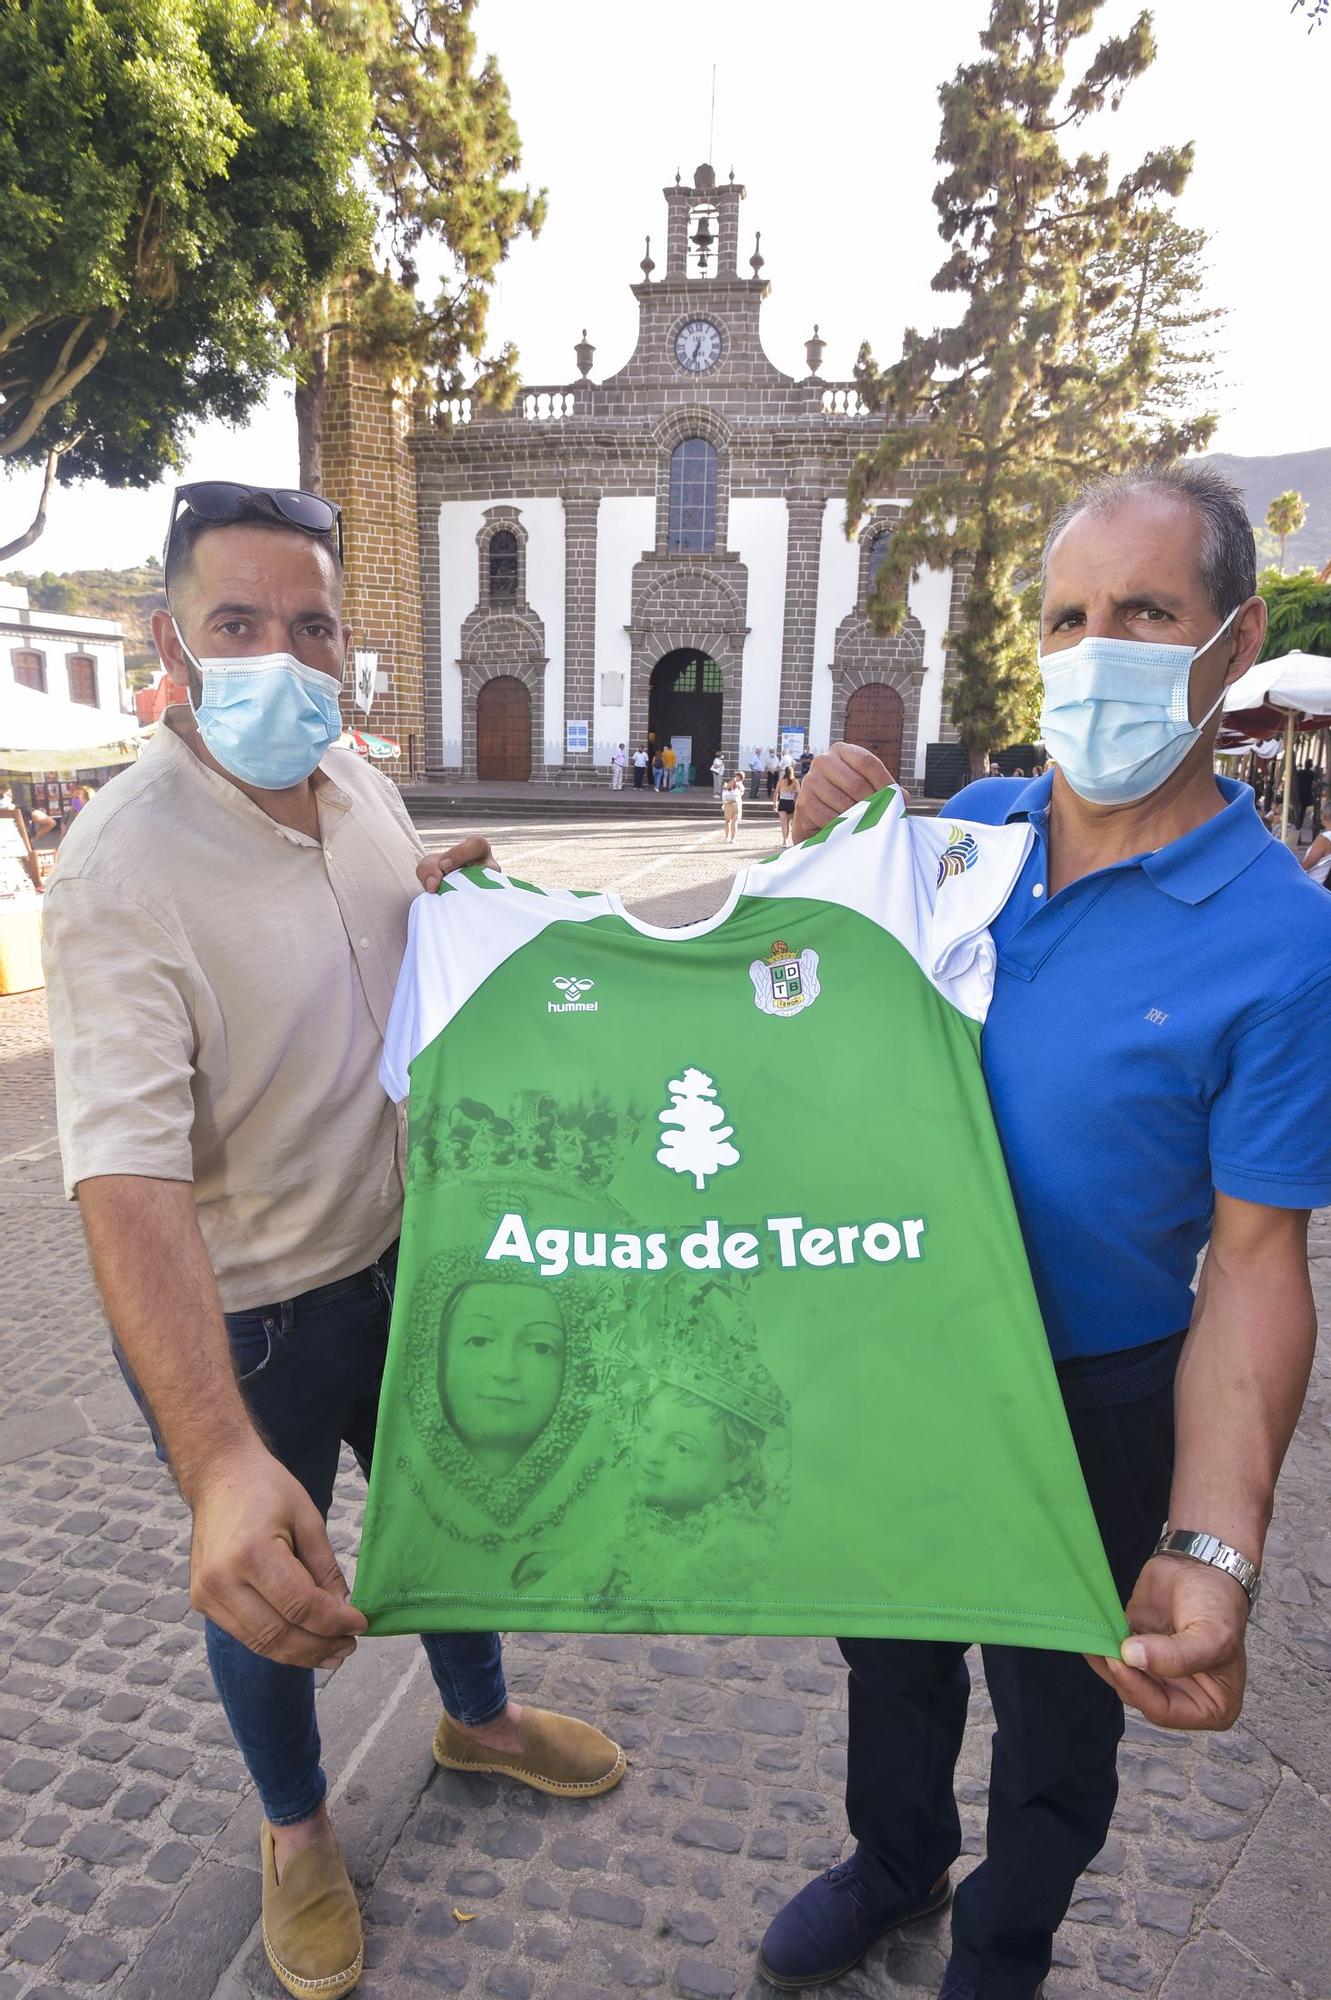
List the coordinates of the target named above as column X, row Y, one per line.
column 661, row 555
column 75, row 663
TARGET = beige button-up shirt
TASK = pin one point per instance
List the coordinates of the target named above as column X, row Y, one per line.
column 219, row 987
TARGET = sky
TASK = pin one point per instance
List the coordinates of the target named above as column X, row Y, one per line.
column 829, row 117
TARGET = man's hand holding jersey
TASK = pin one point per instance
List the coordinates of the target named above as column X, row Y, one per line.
column 837, row 780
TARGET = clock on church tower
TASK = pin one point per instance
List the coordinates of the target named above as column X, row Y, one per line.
column 698, row 346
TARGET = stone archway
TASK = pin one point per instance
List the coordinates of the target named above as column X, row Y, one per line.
column 686, row 707
column 689, row 609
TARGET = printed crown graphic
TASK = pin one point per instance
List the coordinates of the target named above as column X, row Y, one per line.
column 703, row 1340
column 538, row 1140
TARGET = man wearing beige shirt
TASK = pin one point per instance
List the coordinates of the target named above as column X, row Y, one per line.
column 222, row 936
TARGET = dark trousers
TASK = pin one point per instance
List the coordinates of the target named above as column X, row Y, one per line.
column 639, row 773
column 1052, row 1777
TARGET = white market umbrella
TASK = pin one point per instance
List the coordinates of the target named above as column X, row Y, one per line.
column 1298, row 683
column 38, row 734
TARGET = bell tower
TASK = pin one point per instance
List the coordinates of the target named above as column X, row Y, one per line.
column 698, row 323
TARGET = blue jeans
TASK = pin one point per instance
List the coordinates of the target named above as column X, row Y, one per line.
column 310, row 1370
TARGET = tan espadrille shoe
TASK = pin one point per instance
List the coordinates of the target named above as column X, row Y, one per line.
column 311, row 1925
column 559, row 1755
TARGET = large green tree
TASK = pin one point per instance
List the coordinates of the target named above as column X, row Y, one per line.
column 1298, row 611
column 174, row 176
column 1020, row 400
column 441, row 155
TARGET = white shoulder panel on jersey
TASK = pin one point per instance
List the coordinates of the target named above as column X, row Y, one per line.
column 455, row 941
column 935, row 885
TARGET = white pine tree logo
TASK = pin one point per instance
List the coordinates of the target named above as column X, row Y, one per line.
column 699, row 1144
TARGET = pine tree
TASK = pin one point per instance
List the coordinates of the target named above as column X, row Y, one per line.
column 442, row 149
column 1157, row 277
column 700, row 1144
column 1017, row 404
column 1284, row 517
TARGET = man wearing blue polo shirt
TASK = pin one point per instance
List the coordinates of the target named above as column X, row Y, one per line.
column 1156, row 1088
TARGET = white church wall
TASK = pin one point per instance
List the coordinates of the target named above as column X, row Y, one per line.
column 758, row 534
column 625, row 527
column 838, row 582
column 930, row 600
column 460, row 522
column 544, row 523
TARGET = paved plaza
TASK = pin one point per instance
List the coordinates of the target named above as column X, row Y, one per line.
column 128, row 1851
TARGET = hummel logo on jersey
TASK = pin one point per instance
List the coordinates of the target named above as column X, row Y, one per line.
column 962, row 852
column 573, row 1002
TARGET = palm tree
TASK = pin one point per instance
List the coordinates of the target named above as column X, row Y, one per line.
column 1285, row 516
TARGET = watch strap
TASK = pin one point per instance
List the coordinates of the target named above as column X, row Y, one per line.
column 1198, row 1547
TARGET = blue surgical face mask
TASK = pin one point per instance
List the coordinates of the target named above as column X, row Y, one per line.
column 267, row 719
column 1115, row 717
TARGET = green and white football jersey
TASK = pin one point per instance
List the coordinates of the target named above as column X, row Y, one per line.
column 712, row 1309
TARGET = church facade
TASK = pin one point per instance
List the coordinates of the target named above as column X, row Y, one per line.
column 657, row 556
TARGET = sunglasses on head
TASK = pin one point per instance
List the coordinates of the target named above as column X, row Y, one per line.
column 224, row 500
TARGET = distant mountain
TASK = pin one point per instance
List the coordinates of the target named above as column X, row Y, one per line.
column 1309, row 473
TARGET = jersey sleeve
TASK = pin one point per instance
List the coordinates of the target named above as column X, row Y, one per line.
column 456, row 939
column 1271, row 1122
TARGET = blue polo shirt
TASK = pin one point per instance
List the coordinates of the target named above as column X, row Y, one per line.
column 1158, row 1029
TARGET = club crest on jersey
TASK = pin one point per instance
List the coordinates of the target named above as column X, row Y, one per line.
column 962, row 852
column 786, row 981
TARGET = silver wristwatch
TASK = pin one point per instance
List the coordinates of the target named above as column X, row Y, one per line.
column 1210, row 1549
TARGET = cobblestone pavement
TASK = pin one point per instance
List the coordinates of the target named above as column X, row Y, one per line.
column 127, row 1828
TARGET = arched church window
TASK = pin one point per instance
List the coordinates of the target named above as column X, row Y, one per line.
column 692, row 527
column 502, row 555
column 878, row 553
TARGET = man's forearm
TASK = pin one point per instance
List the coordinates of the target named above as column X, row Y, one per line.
column 1241, row 1384
column 157, row 1285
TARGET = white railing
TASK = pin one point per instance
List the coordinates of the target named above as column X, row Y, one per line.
column 543, row 406
column 844, row 400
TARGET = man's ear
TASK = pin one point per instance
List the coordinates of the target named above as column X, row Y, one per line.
column 167, row 641
column 1249, row 630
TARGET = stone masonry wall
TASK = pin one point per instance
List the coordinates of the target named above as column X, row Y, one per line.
column 368, row 470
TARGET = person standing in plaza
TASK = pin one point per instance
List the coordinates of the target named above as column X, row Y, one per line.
column 1156, row 933
column 669, row 761
column 658, row 771
column 784, row 800
column 238, row 1165
column 618, row 759
column 755, row 774
column 732, row 806
column 771, row 770
column 718, row 774
column 641, row 765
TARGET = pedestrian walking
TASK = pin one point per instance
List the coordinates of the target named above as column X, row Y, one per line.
column 783, row 803
column 718, row 774
column 241, row 1214
column 1145, row 876
column 732, row 806
column 618, row 760
column 641, row 765
column 771, row 770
